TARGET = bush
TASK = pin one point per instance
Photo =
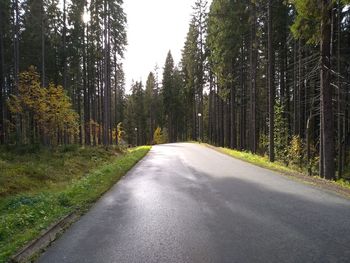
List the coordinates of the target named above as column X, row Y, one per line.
column 295, row 151
column 160, row 136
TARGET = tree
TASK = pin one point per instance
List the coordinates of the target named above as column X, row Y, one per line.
column 2, row 74
column 271, row 61
column 200, row 18
column 150, row 107
column 322, row 35
column 253, row 75
column 45, row 113
column 327, row 116
column 169, row 95
column 190, row 64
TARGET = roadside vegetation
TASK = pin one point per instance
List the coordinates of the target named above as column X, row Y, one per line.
column 40, row 186
column 290, row 169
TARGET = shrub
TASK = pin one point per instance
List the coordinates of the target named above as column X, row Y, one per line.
column 160, row 136
column 295, row 151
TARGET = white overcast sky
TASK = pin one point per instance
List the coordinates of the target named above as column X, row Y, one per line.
column 154, row 28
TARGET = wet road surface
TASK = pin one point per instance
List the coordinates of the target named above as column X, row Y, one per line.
column 188, row 203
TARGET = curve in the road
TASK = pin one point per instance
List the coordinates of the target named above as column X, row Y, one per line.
column 188, row 203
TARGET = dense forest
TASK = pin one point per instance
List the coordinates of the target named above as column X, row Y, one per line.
column 270, row 77
column 61, row 71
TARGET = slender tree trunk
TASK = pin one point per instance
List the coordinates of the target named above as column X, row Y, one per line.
column 43, row 45
column 105, row 79
column 210, row 117
column 86, row 91
column 16, row 67
column 109, row 70
column 226, row 124
column 101, row 102
column 2, row 77
column 327, row 93
column 64, row 40
column 253, row 66
column 233, row 118
column 308, row 146
column 295, row 91
column 216, row 112
column 271, row 85
column 80, row 112
column 321, row 164
column 222, row 120
column 300, row 92
column 339, row 99
column 116, row 91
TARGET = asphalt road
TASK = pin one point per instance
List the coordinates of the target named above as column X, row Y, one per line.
column 188, row 203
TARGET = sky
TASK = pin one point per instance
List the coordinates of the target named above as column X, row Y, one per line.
column 154, row 28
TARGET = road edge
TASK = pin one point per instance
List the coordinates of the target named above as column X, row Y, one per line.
column 318, row 182
column 29, row 251
column 33, row 249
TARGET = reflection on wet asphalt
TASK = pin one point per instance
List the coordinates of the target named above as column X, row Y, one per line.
column 188, row 203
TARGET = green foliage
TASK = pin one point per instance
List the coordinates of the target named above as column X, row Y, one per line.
column 168, row 84
column 263, row 144
column 44, row 112
column 224, row 40
column 172, row 97
column 160, row 136
column 281, row 134
column 296, row 151
column 261, row 161
column 23, row 216
column 135, row 117
column 307, row 22
column 264, row 162
column 121, row 132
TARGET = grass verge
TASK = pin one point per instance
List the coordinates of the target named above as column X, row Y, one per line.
column 23, row 216
column 340, row 186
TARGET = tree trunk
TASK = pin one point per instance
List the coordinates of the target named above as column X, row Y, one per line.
column 43, row 73
column 300, row 91
column 2, row 77
column 86, row 91
column 233, row 118
column 339, row 104
column 64, row 40
column 271, row 85
column 105, row 79
column 327, row 93
column 109, row 76
column 253, row 66
column 116, row 118
column 295, row 91
column 16, row 67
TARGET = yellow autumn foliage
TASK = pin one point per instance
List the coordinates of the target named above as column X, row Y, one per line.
column 160, row 136
column 45, row 112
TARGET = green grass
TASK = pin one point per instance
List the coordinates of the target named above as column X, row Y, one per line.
column 28, row 169
column 28, row 209
column 258, row 160
column 264, row 162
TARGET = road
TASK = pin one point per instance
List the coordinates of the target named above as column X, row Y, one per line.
column 189, row 203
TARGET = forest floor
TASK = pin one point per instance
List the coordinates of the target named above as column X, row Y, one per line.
column 40, row 186
column 341, row 187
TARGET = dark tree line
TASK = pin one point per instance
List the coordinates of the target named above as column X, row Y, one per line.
column 78, row 45
column 279, row 81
